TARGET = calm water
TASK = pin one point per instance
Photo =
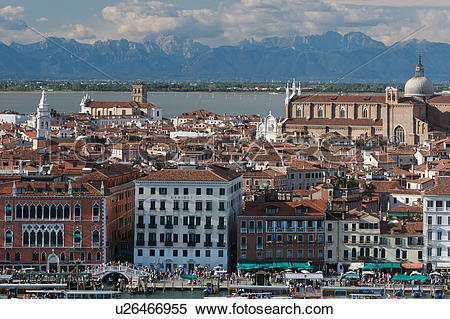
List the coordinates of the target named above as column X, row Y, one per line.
column 172, row 103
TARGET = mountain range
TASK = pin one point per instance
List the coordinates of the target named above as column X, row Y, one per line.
column 353, row 57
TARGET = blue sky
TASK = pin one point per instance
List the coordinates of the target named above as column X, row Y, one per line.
column 217, row 22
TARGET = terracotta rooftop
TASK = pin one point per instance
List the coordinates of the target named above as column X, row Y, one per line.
column 212, row 173
column 441, row 187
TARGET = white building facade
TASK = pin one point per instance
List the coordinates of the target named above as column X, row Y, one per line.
column 436, row 225
column 187, row 218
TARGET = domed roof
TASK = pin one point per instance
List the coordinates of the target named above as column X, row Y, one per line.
column 419, row 85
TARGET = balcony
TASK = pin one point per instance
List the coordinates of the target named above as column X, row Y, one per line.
column 168, row 226
column 290, row 243
column 243, row 246
column 191, row 226
column 77, row 245
column 259, row 230
column 251, row 230
column 208, row 244
column 168, row 243
column 8, row 245
column 140, row 226
column 269, row 243
column 208, row 226
column 191, row 244
column 138, row 243
column 152, row 225
column 222, row 244
column 221, row 227
column 243, row 230
column 259, row 246
column 152, row 243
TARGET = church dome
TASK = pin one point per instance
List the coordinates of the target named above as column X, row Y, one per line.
column 419, row 85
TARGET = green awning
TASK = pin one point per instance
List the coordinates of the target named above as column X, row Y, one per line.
column 188, row 276
column 419, row 277
column 401, row 278
column 352, row 276
column 375, row 266
column 274, row 265
column 302, row 266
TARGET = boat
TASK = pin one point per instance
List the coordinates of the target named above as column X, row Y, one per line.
column 352, row 292
column 10, row 290
column 418, row 293
column 74, row 294
column 253, row 291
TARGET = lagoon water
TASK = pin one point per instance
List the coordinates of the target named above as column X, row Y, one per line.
column 172, row 103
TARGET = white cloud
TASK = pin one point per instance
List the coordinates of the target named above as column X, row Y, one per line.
column 42, row 19
column 395, row 3
column 12, row 18
column 136, row 19
column 76, row 31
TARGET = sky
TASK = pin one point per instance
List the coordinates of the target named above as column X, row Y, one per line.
column 218, row 22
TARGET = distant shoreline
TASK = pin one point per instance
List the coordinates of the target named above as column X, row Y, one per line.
column 149, row 92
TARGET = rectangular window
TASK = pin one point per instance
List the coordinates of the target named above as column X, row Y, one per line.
column 221, row 206
column 153, row 190
column 330, row 254
column 300, row 253
column 176, row 205
column 209, row 191
column 162, row 205
column 345, row 239
column 430, row 220
column 176, row 191
column 162, row 191
column 439, row 220
column 152, row 205
column 186, row 191
column 185, row 205
column 198, row 191
column 346, row 254
column 222, row 191
column 330, row 227
column 141, row 190
column 198, row 205
column 209, row 206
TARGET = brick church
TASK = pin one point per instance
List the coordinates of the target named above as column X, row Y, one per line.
column 413, row 118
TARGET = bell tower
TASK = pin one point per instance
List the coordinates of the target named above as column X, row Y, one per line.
column 139, row 93
column 43, row 124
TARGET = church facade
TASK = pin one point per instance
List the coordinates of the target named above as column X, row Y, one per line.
column 407, row 119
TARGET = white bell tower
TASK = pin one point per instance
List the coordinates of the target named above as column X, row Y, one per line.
column 43, row 119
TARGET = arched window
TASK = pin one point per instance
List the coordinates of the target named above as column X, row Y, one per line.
column 53, row 212
column 59, row 212
column 17, row 256
column 397, row 253
column 25, row 239
column 383, row 253
column 46, row 212
column 367, row 252
column 77, row 212
column 66, row 211
column 353, row 252
column 299, row 111
column 43, row 256
column 39, row 211
column 35, row 256
column 71, row 256
column 19, row 211
column 39, row 238
column 320, row 112
column 365, row 113
column 8, row 212
column 82, row 256
column 53, row 239
column 375, row 253
column 32, row 211
column 60, row 239
column 361, row 252
column 77, row 238
column 8, row 256
column 63, row 256
column 95, row 212
column 8, row 238
column 26, row 212
column 399, row 134
column 99, row 256
column 46, row 239
column 89, row 256
column 96, row 238
column 342, row 112
column 32, row 239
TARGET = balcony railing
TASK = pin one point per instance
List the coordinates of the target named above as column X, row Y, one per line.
column 243, row 230
column 168, row 226
column 243, row 246
column 259, row 246
column 138, row 243
column 259, row 230
column 191, row 226
column 208, row 226
column 152, row 243
column 152, row 225
column 221, row 244
column 294, row 229
column 191, row 243
column 208, row 244
column 140, row 226
column 221, row 227
column 168, row 243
